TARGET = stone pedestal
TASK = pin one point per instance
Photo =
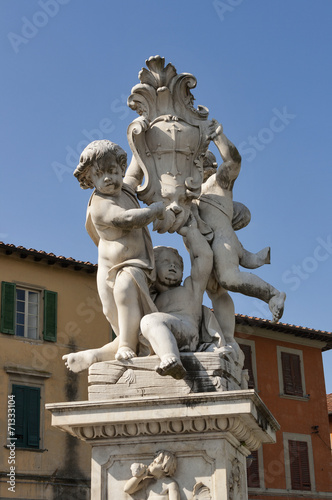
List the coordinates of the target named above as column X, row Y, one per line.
column 210, row 434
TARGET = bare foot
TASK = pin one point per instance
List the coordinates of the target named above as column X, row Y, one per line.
column 125, row 353
column 172, row 366
column 276, row 306
column 79, row 361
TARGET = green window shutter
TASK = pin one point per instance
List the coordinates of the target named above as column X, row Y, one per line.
column 8, row 299
column 19, row 392
column 33, row 415
column 27, row 416
column 50, row 315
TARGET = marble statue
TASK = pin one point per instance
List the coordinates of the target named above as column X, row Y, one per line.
column 156, row 479
column 157, row 482
column 176, row 176
column 168, row 141
column 216, row 209
column 175, row 327
column 118, row 225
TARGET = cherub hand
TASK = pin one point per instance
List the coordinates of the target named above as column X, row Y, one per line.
column 159, row 209
column 217, row 129
column 138, row 470
column 190, row 225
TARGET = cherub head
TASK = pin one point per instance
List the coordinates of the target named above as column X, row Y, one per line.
column 169, row 267
column 210, row 165
column 102, row 165
column 164, row 463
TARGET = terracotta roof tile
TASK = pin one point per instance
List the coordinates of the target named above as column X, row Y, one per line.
column 298, row 331
column 51, row 257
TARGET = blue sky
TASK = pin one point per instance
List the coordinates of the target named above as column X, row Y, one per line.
column 264, row 71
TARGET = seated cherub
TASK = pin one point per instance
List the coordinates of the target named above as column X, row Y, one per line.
column 175, row 327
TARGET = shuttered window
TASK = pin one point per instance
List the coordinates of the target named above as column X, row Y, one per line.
column 253, row 471
column 27, row 415
column 8, row 294
column 291, row 372
column 299, row 465
column 248, row 364
column 21, row 311
column 50, row 315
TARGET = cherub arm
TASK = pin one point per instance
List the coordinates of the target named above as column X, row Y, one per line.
column 134, row 175
column 139, row 480
column 201, row 255
column 110, row 214
column 230, row 168
column 173, row 491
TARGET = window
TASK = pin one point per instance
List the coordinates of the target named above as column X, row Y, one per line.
column 21, row 312
column 27, row 313
column 248, row 348
column 27, row 415
column 299, row 462
column 291, row 375
column 299, row 465
column 253, row 471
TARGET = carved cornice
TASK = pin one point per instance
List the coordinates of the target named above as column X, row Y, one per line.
column 206, row 425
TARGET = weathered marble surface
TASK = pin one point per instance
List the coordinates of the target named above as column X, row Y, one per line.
column 205, row 372
column 210, row 435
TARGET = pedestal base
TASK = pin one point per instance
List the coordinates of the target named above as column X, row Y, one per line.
column 210, row 435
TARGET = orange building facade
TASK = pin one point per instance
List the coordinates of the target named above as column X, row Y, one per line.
column 329, row 409
column 286, row 369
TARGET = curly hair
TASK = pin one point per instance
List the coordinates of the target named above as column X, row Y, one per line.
column 157, row 251
column 167, row 461
column 95, row 151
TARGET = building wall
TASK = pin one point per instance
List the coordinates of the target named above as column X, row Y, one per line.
column 298, row 416
column 62, row 460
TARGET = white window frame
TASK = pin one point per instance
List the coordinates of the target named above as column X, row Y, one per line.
column 288, row 436
column 26, row 291
column 299, row 353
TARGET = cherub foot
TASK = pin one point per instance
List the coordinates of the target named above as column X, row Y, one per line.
column 276, row 306
column 79, row 361
column 171, row 365
column 124, row 353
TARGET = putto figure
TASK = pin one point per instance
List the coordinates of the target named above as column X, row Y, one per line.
column 216, row 209
column 117, row 224
column 156, row 478
column 175, row 327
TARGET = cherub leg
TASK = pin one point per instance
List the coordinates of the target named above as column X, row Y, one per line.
column 154, row 328
column 79, row 361
column 223, row 307
column 127, row 300
column 251, row 260
column 231, row 278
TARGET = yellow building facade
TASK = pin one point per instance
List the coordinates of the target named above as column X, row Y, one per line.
column 49, row 307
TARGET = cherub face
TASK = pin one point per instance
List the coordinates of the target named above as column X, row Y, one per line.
column 169, row 269
column 106, row 175
column 156, row 469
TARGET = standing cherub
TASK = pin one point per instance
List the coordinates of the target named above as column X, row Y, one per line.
column 117, row 224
